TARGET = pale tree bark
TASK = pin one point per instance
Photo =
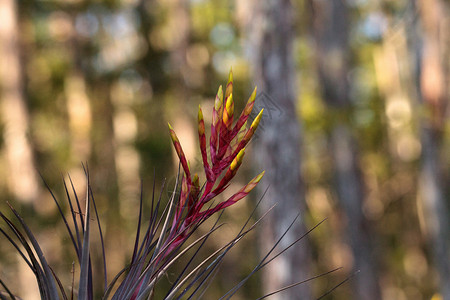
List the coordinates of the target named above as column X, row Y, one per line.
column 270, row 35
column 22, row 177
column 433, row 57
column 332, row 52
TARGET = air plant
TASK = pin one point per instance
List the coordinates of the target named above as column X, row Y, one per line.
column 167, row 235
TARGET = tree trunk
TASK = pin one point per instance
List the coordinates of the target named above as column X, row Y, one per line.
column 432, row 80
column 331, row 35
column 22, row 177
column 435, row 208
column 277, row 146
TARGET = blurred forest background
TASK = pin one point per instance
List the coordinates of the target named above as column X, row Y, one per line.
column 356, row 129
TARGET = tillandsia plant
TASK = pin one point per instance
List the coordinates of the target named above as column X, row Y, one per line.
column 227, row 148
column 166, row 237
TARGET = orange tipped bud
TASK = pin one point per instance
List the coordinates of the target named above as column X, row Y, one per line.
column 248, row 135
column 244, row 191
column 228, row 112
column 259, row 177
column 256, row 121
column 232, row 169
column 253, row 95
column 180, row 153
column 229, row 89
column 230, row 105
column 244, row 115
column 237, row 160
column 173, row 135
column 219, row 99
column 201, row 122
column 218, row 107
column 252, row 184
column 200, row 113
column 248, row 108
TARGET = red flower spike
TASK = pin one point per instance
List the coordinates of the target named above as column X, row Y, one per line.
column 237, row 160
column 218, row 106
column 182, row 202
column 184, row 191
column 229, row 89
column 250, row 102
column 180, row 153
column 245, row 190
column 244, row 115
column 224, row 139
column 215, row 125
column 202, row 139
column 256, row 121
column 248, row 135
column 228, row 113
column 232, row 170
column 225, row 130
column 235, row 198
column 201, row 122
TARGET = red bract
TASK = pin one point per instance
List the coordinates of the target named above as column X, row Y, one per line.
column 227, row 148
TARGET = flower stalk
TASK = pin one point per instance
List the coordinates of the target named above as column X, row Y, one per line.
column 227, row 148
